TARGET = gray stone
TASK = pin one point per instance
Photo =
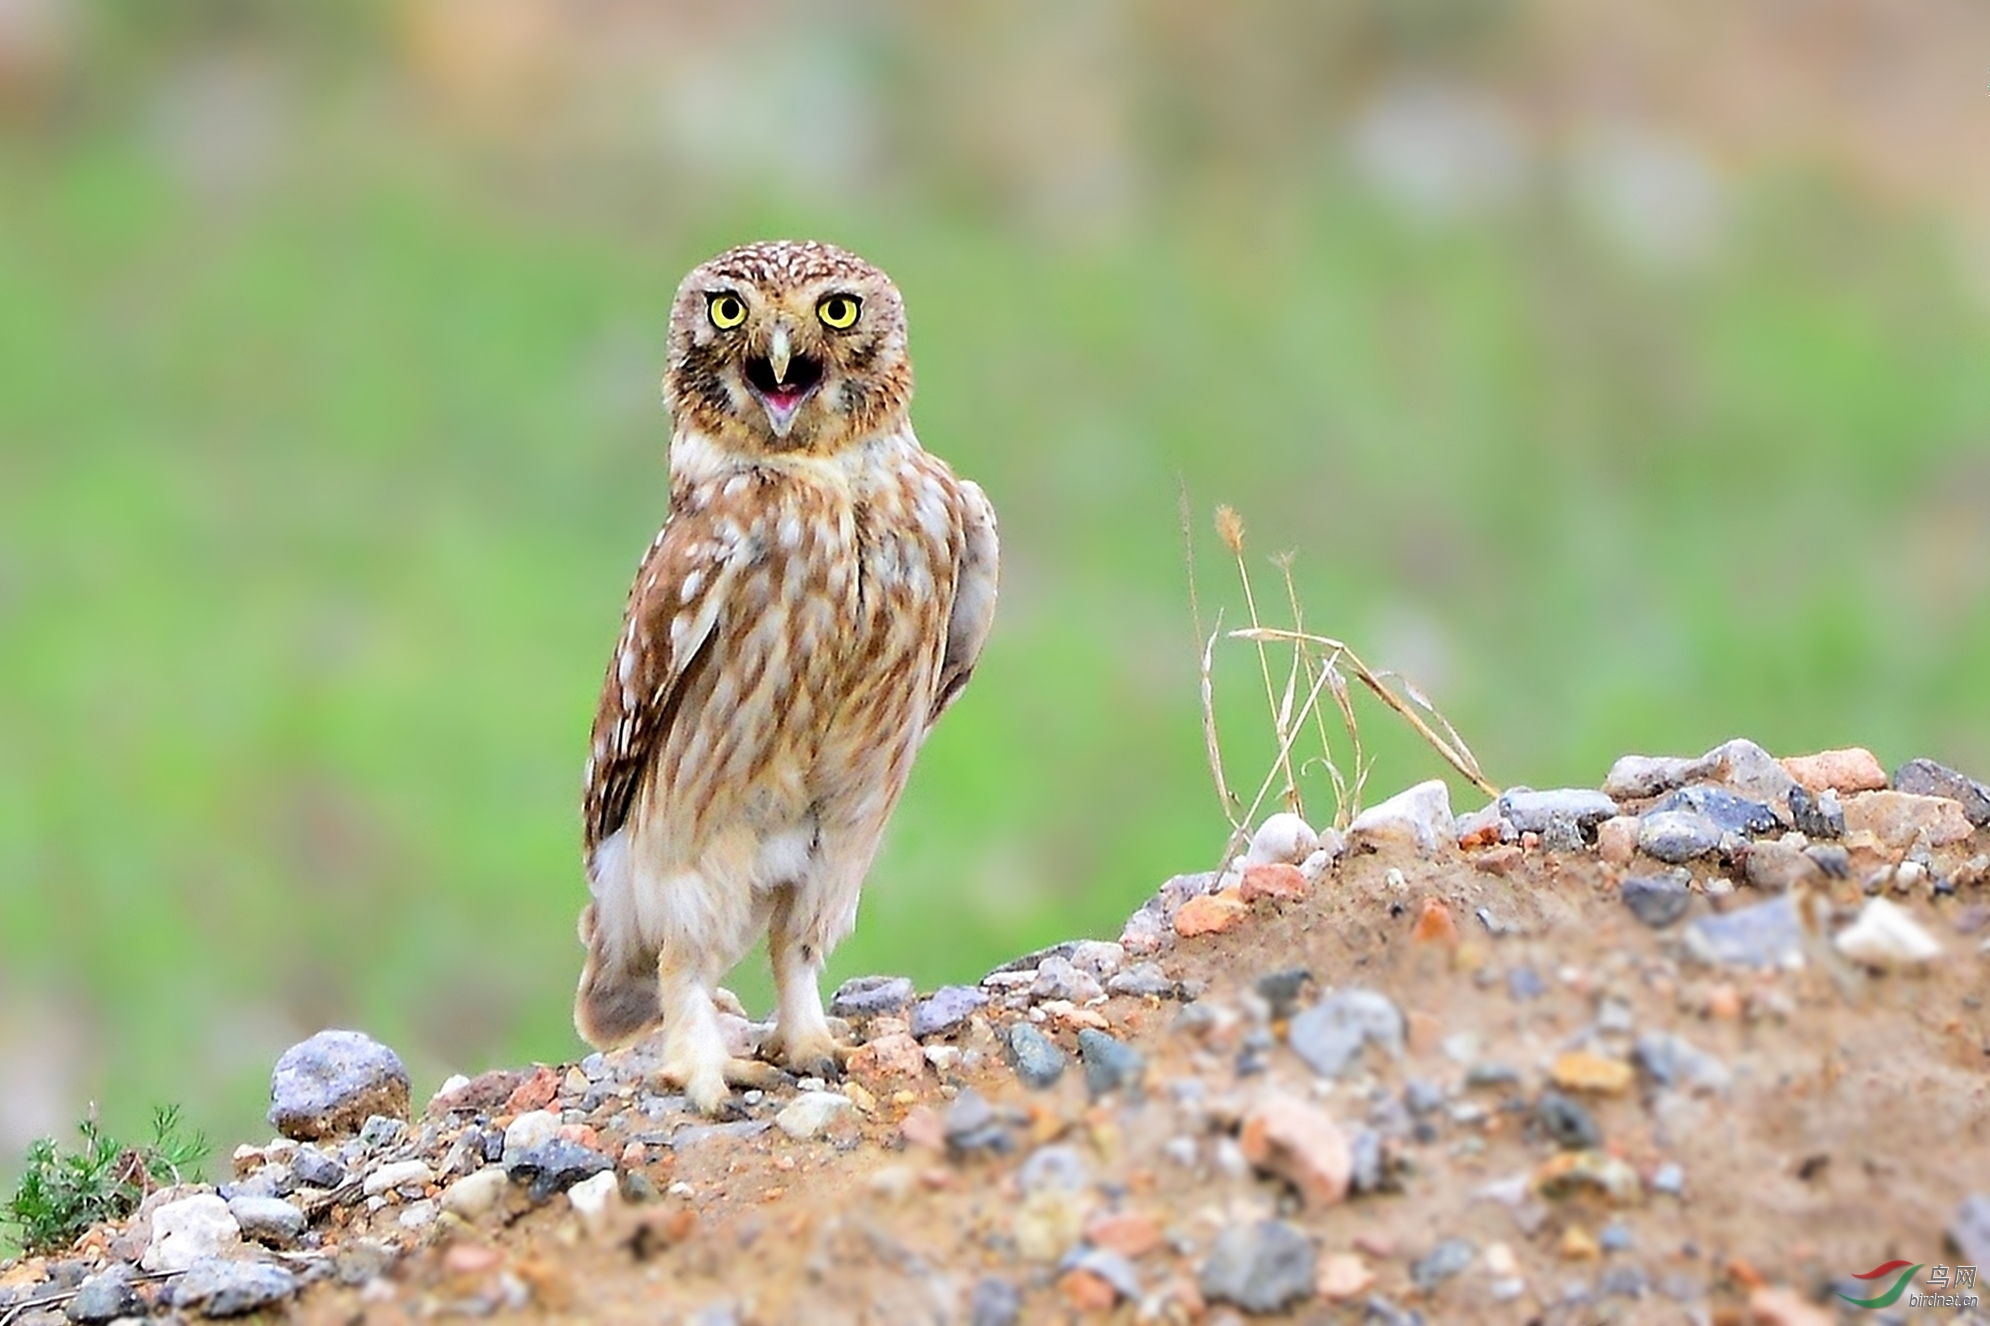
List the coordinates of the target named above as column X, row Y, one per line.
column 1330, row 1034
column 1142, row 980
column 1487, row 1074
column 1419, row 815
column 1368, row 1173
column 1657, row 900
column 1054, row 1168
column 1110, row 1064
column 1098, row 957
column 1928, row 779
column 1567, row 1122
column 1281, row 989
column 379, row 1131
column 1635, row 777
column 972, row 1125
column 1524, row 983
column 333, row 1082
column 809, row 1113
column 555, row 1166
column 1833, row 860
column 946, row 1009
column 1112, row 1267
column 1441, row 1263
column 1969, row 1229
column 1421, row 1097
column 1616, row 1237
column 1036, row 1059
column 219, row 1288
column 1671, row 1060
column 1677, row 836
column 692, row 1135
column 1819, row 816
column 1669, row 1178
column 267, row 1220
column 1750, row 770
column 1734, row 814
column 106, row 1296
column 1565, row 818
column 996, row 1302
column 869, row 996
column 1058, row 978
column 1261, row 1268
column 315, row 1169
column 1623, row 1281
column 1765, row 935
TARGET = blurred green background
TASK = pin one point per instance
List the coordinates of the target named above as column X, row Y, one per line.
column 1621, row 374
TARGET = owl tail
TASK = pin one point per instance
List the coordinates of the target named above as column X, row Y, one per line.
column 618, row 1000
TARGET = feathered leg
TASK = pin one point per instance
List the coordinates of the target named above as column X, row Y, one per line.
column 797, row 945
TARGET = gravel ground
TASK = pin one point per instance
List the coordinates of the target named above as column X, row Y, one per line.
column 1705, row 1045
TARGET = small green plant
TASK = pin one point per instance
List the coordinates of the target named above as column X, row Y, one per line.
column 62, row 1193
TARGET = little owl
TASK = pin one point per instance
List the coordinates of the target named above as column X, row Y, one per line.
column 817, row 596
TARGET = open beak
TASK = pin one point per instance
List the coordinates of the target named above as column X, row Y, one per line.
column 783, row 381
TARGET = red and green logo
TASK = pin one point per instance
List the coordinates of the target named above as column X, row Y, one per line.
column 1887, row 1299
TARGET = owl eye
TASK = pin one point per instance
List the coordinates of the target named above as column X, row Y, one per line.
column 727, row 311
column 839, row 312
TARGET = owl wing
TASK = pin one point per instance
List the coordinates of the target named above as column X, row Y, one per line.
column 973, row 610
column 666, row 636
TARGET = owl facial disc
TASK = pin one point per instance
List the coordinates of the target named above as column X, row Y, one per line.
column 783, row 381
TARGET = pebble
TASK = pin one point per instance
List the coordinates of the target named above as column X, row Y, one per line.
column 1732, row 813
column 268, row 1220
column 1852, row 769
column 1905, row 820
column 1059, row 978
column 1669, row 1178
column 476, row 1195
column 1657, row 900
column 1421, row 1097
column 871, row 996
column 1617, row 839
column 1748, row 769
column 333, row 1082
column 1211, row 914
column 1260, row 1267
column 1098, row 957
column 1677, row 836
column 1616, row 1237
column 1580, row 1070
column 1885, row 934
column 592, row 1197
column 1928, row 779
column 1283, row 839
column 380, row 1132
column 1779, row 865
column 1300, row 1143
column 1565, row 818
column 809, row 1113
column 945, row 1010
column 1035, row 1057
column 399, row 1174
column 1128, row 1233
column 1110, row 1064
column 1143, row 980
column 1111, row 1267
column 1672, row 1061
column 314, row 1169
column 1775, row 1306
column 996, row 1302
column 1278, row 882
column 1591, row 1171
column 1621, row 1281
column 189, row 1230
column 1442, row 1262
column 1419, row 815
column 558, row 1165
column 1820, row 816
column 1635, row 777
column 1047, row 1223
column 229, row 1289
column 1281, row 990
column 1764, row 935
column 1524, row 983
column 531, row 1129
column 1343, row 1276
column 1566, row 1122
column 1969, row 1229
column 106, row 1296
column 894, row 1055
column 1330, row 1034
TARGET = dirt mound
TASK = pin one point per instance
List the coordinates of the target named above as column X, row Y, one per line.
column 1511, row 1074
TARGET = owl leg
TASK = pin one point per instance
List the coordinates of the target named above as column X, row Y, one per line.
column 797, row 949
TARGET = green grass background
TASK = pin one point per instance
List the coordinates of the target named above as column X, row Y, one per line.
column 317, row 508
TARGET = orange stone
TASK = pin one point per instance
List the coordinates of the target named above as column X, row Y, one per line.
column 1210, row 914
column 1578, row 1245
column 1086, row 1291
column 895, row 1055
column 1579, row 1070
column 1786, row 1307
column 1300, row 1143
column 1434, row 924
column 1853, row 769
column 1272, row 881
column 922, row 1127
column 1131, row 1234
column 1724, row 1001
column 535, row 1092
column 1342, row 1276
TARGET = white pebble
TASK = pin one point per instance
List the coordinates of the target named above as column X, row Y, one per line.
column 1885, row 935
column 1284, row 839
column 185, row 1231
column 809, row 1113
column 592, row 1197
column 401, row 1173
column 475, row 1196
column 531, row 1129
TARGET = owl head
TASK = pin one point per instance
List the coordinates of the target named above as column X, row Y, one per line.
column 787, row 346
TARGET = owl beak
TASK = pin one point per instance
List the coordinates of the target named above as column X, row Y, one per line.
column 779, row 351
column 783, row 380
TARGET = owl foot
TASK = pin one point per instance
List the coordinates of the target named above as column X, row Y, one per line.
column 710, row 1086
column 810, row 1056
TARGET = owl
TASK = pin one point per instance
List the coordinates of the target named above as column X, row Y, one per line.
column 817, row 597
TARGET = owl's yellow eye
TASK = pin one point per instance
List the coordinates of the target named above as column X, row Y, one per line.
column 839, row 312
column 727, row 311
